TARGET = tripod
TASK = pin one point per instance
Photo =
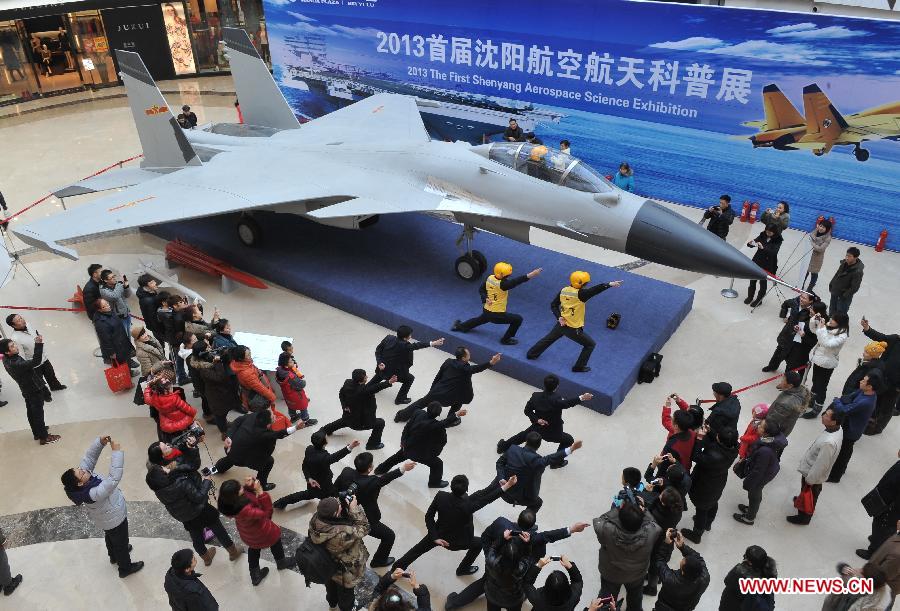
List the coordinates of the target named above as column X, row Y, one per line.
column 14, row 257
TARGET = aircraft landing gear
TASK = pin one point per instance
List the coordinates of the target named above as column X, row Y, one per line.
column 861, row 154
column 249, row 232
column 473, row 264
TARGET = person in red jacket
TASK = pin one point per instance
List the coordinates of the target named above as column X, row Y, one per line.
column 293, row 386
column 681, row 437
column 251, row 509
column 254, row 382
column 175, row 414
column 752, row 433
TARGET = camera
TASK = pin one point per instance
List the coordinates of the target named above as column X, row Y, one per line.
column 345, row 496
column 207, row 471
column 208, row 355
column 195, row 430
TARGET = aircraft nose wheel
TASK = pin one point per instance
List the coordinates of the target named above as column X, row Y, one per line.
column 249, row 232
column 861, row 154
column 467, row 267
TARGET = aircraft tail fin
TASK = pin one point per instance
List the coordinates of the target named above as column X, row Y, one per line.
column 262, row 103
column 780, row 113
column 162, row 139
column 823, row 121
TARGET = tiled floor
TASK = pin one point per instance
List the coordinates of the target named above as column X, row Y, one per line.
column 721, row 339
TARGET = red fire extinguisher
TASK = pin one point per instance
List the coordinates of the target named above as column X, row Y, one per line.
column 745, row 211
column 882, row 240
column 754, row 210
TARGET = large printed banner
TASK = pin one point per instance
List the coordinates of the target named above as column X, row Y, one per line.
column 699, row 100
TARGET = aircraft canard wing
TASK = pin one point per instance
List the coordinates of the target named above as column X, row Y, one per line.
column 115, row 179
column 384, row 117
column 186, row 194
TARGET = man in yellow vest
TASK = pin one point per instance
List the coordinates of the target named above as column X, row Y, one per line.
column 569, row 308
column 494, row 295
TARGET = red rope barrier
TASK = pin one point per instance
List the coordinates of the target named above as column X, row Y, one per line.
column 46, row 197
column 760, row 383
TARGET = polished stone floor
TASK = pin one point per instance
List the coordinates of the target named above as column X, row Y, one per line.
column 720, row 340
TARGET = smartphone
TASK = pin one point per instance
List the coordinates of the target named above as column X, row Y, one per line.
column 124, row 278
column 555, row 558
column 406, row 574
column 515, row 533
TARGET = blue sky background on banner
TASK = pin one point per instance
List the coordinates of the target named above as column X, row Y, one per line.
column 856, row 62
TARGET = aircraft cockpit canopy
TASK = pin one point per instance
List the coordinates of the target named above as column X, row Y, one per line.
column 549, row 164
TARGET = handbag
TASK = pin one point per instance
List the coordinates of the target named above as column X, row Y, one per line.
column 805, row 502
column 255, row 401
column 740, row 468
column 139, row 392
column 874, row 504
column 118, row 376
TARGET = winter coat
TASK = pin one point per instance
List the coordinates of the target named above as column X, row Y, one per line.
column 732, row 599
column 423, row 596
column 750, row 436
column 712, row 462
column 254, row 521
column 891, row 356
column 148, row 303
column 90, row 294
column 818, row 242
column 108, row 509
column 453, row 383
column 724, row 414
column 150, row 355
column 218, row 392
column 767, row 256
column 504, row 586
column 166, row 319
column 846, row 279
column 799, row 317
column 720, row 223
column 787, row 407
column 187, row 592
column 825, row 353
column 343, row 538
column 782, row 221
column 116, row 296
column 624, row 556
column 251, row 442
column 221, row 340
column 292, row 388
column 676, row 592
column 815, row 466
column 114, row 341
column 175, row 414
column 626, row 183
column 538, row 597
column 252, row 379
column 184, row 493
column 763, row 463
column 359, row 404
column 857, row 409
column 23, row 371
column 862, row 370
column 24, row 339
column 887, row 558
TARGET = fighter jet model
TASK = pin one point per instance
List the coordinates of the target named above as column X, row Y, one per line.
column 823, row 127
column 357, row 164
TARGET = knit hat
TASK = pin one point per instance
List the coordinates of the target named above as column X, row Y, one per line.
column 875, row 349
column 793, row 378
column 328, row 507
column 760, row 410
column 722, row 388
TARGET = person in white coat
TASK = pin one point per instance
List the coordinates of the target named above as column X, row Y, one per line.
column 824, row 356
column 103, row 500
column 817, row 462
column 24, row 337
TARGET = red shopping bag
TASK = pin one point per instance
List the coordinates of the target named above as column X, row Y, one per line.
column 118, row 377
column 804, row 502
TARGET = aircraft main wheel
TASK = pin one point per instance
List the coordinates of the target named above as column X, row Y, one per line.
column 249, row 232
column 818, row 152
column 482, row 260
column 467, row 267
column 861, row 154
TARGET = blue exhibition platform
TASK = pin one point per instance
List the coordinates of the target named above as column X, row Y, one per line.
column 400, row 271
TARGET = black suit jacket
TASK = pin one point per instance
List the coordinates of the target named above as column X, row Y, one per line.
column 449, row 517
column 453, row 383
column 369, row 488
column 317, row 465
column 424, row 437
column 549, row 406
column 529, row 466
column 396, row 354
column 359, row 399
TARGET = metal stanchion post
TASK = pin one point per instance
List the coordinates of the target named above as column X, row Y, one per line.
column 730, row 293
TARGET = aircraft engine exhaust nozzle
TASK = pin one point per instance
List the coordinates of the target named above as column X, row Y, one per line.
column 663, row 236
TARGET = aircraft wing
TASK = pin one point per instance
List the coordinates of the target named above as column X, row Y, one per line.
column 384, row 117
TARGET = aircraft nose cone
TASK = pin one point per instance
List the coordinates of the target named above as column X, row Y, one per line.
column 663, row 236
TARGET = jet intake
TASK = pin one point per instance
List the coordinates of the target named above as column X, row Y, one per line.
column 349, row 222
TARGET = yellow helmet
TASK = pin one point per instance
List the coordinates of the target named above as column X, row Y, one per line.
column 502, row 270
column 579, row 279
column 538, row 152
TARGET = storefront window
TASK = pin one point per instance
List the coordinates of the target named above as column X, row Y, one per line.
column 207, row 18
column 17, row 79
column 179, row 38
column 92, row 48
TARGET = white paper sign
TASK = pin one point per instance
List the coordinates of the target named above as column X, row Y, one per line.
column 88, row 63
column 264, row 349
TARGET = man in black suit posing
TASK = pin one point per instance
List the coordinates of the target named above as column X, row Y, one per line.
column 529, row 466
column 544, row 409
column 422, row 441
column 394, row 357
column 452, row 386
column 317, row 471
column 369, row 487
column 357, row 397
column 454, row 529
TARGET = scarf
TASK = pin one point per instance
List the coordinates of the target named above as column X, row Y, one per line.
column 82, row 494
